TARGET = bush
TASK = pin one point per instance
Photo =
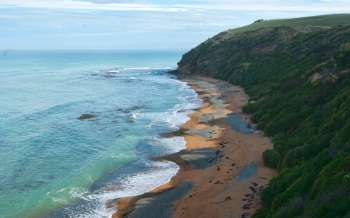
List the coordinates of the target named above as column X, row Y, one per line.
column 271, row 158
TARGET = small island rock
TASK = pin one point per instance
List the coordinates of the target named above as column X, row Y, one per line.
column 87, row 117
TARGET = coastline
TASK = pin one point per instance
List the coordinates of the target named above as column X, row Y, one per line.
column 221, row 171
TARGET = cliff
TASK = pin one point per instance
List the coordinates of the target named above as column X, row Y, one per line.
column 297, row 73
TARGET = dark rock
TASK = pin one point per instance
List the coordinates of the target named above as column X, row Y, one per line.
column 211, row 160
column 245, row 215
column 252, row 189
column 87, row 117
column 228, row 198
column 246, row 206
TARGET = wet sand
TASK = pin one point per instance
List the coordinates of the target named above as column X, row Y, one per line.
column 221, row 171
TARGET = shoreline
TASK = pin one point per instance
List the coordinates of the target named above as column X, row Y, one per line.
column 221, row 170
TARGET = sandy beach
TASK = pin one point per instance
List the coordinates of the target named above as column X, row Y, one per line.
column 221, row 171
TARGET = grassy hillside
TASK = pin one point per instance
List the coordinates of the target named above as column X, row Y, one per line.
column 297, row 73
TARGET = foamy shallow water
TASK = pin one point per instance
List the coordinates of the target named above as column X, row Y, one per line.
column 54, row 165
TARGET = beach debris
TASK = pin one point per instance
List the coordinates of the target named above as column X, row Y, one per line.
column 87, row 117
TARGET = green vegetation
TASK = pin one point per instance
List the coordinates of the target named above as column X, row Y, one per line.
column 297, row 73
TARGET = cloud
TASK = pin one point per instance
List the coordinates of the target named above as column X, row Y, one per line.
column 85, row 5
column 321, row 6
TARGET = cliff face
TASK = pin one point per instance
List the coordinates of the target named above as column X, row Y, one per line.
column 297, row 73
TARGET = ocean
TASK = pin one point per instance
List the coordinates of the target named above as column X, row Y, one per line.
column 54, row 164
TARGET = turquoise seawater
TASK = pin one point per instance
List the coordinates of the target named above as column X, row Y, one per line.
column 55, row 165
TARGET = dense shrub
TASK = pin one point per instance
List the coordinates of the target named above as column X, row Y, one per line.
column 298, row 78
column 271, row 158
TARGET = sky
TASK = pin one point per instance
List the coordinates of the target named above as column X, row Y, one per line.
column 139, row 24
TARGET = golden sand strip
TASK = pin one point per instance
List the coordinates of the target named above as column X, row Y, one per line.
column 216, row 190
